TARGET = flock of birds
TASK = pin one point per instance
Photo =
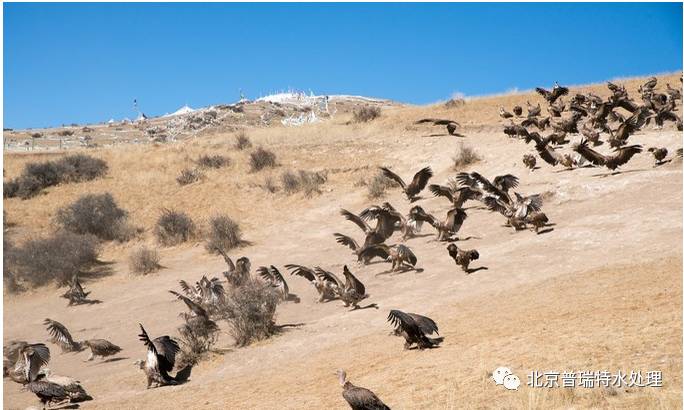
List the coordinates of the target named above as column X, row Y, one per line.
column 590, row 115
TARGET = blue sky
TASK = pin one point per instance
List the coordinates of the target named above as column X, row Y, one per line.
column 66, row 63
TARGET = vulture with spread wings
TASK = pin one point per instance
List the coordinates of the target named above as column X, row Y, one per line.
column 451, row 125
column 401, row 256
column 325, row 283
column 412, row 331
column 620, row 157
column 554, row 94
column 273, row 277
column 420, row 180
column 445, row 229
column 161, row 357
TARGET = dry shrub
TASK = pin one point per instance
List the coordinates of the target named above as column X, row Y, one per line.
column 242, row 141
column 213, row 161
column 174, row 227
column 261, row 158
column 143, row 260
column 196, row 339
column 39, row 175
column 250, row 311
column 378, row 185
column 53, row 259
column 224, row 234
column 306, row 181
column 95, row 214
column 188, row 176
column 366, row 114
column 464, row 156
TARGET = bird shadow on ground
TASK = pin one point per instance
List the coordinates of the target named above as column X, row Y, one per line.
column 65, row 406
column 435, row 135
column 113, row 359
column 469, row 271
column 285, row 326
column 400, row 271
column 618, row 173
column 292, row 298
column 371, row 306
column 467, row 238
column 420, row 236
column 88, row 302
column 543, row 231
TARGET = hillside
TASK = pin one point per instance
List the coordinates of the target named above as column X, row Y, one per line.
column 601, row 291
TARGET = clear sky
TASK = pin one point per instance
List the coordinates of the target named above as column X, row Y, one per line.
column 81, row 63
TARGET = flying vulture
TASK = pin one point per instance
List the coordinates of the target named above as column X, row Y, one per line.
column 420, row 180
column 451, row 126
column 457, row 195
column 554, row 94
column 620, row 157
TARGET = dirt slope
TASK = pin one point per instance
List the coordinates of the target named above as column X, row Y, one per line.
column 601, row 291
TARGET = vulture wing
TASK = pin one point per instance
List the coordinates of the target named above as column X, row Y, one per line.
column 420, row 180
column 356, row 219
column 455, row 219
column 279, row 280
column 506, row 182
column 302, row 271
column 391, row 175
column 407, row 254
column 440, row 190
column 496, row 206
column 346, row 241
column 404, row 322
column 229, row 262
column 59, row 333
column 353, row 283
column 35, row 356
column 194, row 307
column 380, row 251
column 328, row 277
column 592, row 156
column 622, row 155
column 427, row 325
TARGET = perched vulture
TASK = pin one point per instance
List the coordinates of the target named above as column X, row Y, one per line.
column 101, row 348
column 674, row 93
column 659, row 154
column 446, row 229
column 401, row 256
column 591, row 134
column 538, row 220
column 325, row 284
column 274, row 278
column 505, row 114
column 359, row 398
column 515, row 130
column 450, row 125
column 517, row 110
column 60, row 336
column 46, row 391
column 353, row 291
column 238, row 272
column 532, row 111
column 71, row 386
column 620, row 157
column 516, row 210
column 161, row 357
column 76, row 295
column 420, row 180
column 554, row 94
column 462, row 257
column 530, row 161
column 412, row 332
column 648, row 85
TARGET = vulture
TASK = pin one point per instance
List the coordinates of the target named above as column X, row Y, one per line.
column 554, row 94
column 420, row 180
column 665, row 114
column 387, row 217
column 620, row 157
column 161, row 357
column 446, row 229
column 427, row 325
column 648, row 85
column 568, row 124
column 402, row 256
column 238, row 272
column 515, row 130
column 47, row 392
column 457, row 195
column 462, row 257
column 352, row 291
column 505, row 114
column 211, row 291
column 674, row 93
column 60, row 336
column 530, row 161
column 515, row 210
column 517, row 110
column 76, row 295
column 631, row 125
column 498, row 188
column 273, row 277
column 659, row 154
column 27, row 361
column 325, row 282
column 547, row 153
column 383, row 230
column 532, row 111
column 556, row 109
column 450, row 125
column 537, row 219
column 359, row 398
column 590, row 134
column 197, row 320
column 412, row 332
column 540, row 123
column 71, row 386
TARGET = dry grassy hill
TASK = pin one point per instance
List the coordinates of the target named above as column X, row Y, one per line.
column 602, row 291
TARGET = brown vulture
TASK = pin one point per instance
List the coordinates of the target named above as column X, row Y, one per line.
column 648, row 85
column 462, row 257
column 238, row 272
column 621, row 155
column 532, row 111
column 515, row 130
column 517, row 110
column 451, row 126
column 554, row 94
column 401, row 256
column 504, row 114
column 160, row 359
column 457, row 195
column 420, row 180
column 630, row 126
column 76, row 295
column 412, row 332
column 273, row 277
column 674, row 93
column 352, row 291
column 530, row 161
column 590, row 134
column 383, row 230
column 71, row 386
column 498, row 188
column 26, row 360
column 446, row 229
column 60, row 336
column 387, row 217
column 325, row 282
column 659, row 154
column 540, row 123
column 359, row 398
column 556, row 109
column 197, row 321
column 520, row 208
